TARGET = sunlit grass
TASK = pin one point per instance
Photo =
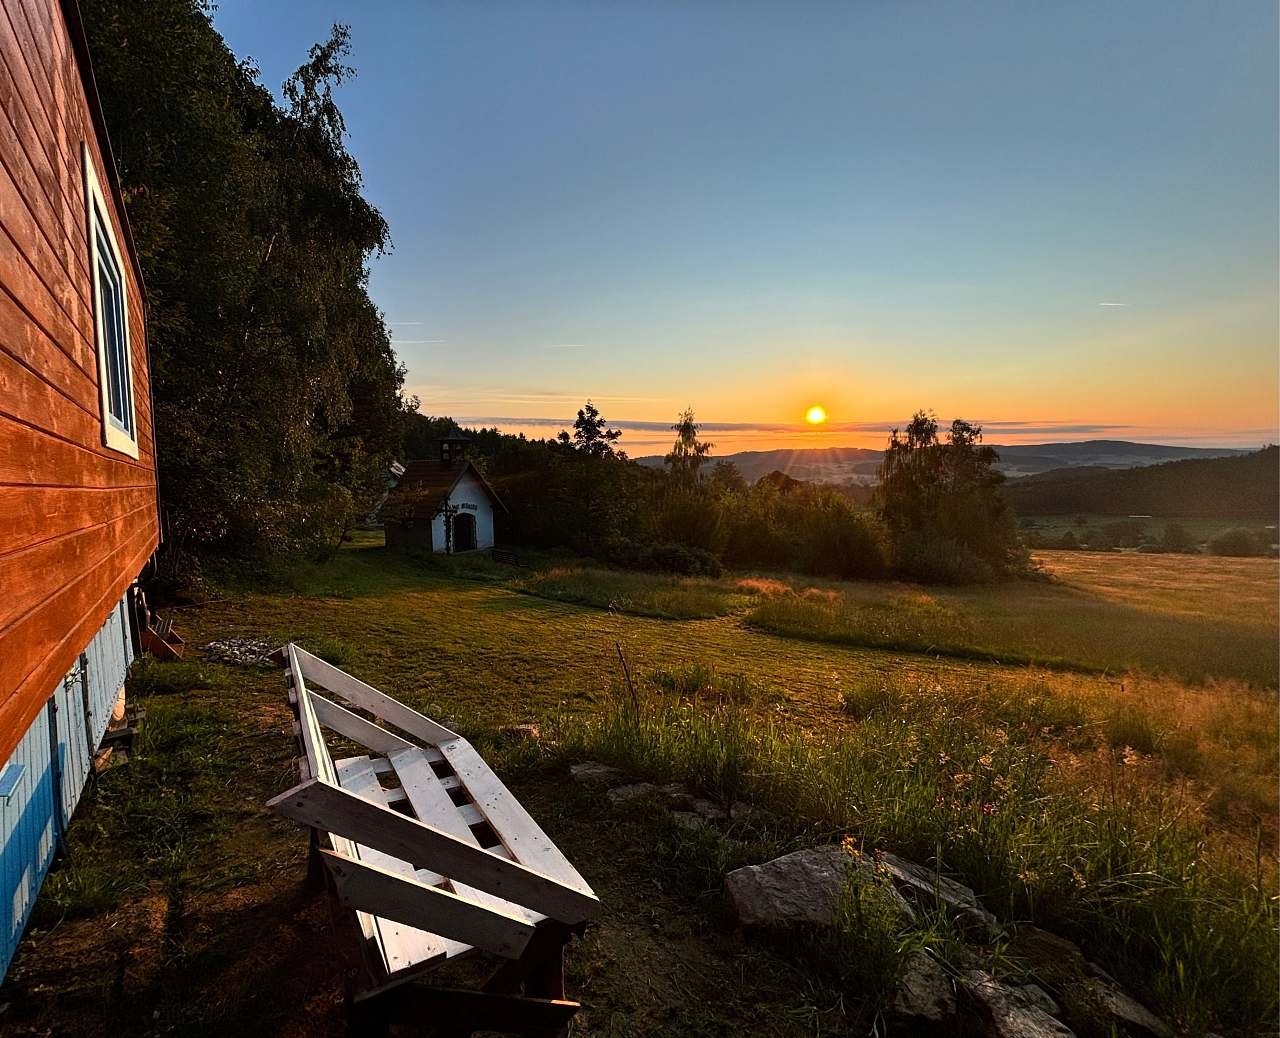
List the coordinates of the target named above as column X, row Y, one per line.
column 1097, row 851
column 642, row 594
column 1127, row 613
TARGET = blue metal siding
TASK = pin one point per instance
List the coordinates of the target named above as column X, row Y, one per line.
column 27, row 824
column 32, row 816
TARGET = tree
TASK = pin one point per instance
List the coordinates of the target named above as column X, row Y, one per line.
column 592, row 436
column 277, row 392
column 942, row 505
column 688, row 453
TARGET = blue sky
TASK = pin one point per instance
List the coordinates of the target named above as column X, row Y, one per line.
column 753, row 207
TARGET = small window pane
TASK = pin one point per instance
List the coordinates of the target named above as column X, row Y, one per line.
column 114, row 342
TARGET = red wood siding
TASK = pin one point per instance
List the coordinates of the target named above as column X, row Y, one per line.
column 77, row 519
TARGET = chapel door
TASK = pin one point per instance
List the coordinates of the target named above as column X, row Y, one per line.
column 464, row 532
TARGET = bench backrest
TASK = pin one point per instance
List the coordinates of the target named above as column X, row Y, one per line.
column 456, row 856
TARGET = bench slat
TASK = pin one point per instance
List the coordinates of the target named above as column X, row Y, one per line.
column 355, row 727
column 522, row 836
column 320, row 765
column 393, row 896
column 357, row 693
column 433, row 805
column 331, row 809
column 405, row 947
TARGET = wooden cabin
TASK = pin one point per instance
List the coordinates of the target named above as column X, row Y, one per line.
column 79, row 517
column 441, row 504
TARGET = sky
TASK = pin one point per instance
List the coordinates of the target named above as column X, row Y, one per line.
column 1060, row 220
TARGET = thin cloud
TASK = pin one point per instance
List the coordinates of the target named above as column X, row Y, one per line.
column 565, row 346
column 402, row 323
column 414, row 342
column 1113, row 304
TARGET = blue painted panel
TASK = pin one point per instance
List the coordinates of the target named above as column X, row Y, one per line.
column 27, row 830
column 47, row 791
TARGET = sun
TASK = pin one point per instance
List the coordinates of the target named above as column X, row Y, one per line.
column 816, row 415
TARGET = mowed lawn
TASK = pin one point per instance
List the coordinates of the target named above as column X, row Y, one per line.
column 1190, row 617
column 181, row 908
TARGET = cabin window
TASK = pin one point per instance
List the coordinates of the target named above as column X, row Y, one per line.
column 111, row 321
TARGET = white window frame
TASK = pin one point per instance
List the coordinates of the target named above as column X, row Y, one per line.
column 98, row 218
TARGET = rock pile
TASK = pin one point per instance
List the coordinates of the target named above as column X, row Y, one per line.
column 240, row 652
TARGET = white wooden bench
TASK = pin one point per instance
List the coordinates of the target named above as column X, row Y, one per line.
column 435, row 856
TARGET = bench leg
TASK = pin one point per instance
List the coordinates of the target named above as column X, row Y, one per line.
column 317, row 875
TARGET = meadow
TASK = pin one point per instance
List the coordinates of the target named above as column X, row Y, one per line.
column 1131, row 809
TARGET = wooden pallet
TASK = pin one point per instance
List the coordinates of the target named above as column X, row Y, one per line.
column 435, row 856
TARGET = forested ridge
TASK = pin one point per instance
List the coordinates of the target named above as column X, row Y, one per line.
column 1216, row 488
column 277, row 391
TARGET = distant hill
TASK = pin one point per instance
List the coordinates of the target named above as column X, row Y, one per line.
column 1241, row 487
column 858, row 465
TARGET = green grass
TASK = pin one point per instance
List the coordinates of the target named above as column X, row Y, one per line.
column 667, row 596
column 1198, row 619
column 1127, row 808
column 1201, row 531
column 1112, row 864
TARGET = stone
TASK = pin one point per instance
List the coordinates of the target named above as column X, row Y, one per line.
column 708, row 809
column 676, row 796
column 756, row 817
column 925, row 1001
column 1037, row 996
column 1006, row 1011
column 635, row 791
column 798, row 889
column 1130, row 1015
column 240, row 652
column 925, row 886
column 593, row 773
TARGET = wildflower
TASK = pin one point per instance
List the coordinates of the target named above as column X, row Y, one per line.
column 940, row 800
column 1131, row 757
column 850, row 847
column 985, row 760
column 962, row 779
column 944, row 757
column 988, row 809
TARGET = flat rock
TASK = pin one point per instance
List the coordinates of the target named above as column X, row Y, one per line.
column 1130, row 1015
column 925, row 1002
column 1037, row 996
column 593, row 773
column 1054, row 958
column 708, row 809
column 924, row 886
column 757, row 817
column 626, row 794
column 798, row 889
column 1007, row 1013
column 676, row 796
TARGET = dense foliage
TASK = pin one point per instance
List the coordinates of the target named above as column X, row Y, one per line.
column 941, row 516
column 1214, row 488
column 277, row 393
column 941, row 502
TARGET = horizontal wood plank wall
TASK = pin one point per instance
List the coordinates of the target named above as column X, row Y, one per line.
column 77, row 519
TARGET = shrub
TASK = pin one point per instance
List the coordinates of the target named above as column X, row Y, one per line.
column 1237, row 542
column 875, row 695
column 1126, row 725
column 665, row 557
column 936, row 560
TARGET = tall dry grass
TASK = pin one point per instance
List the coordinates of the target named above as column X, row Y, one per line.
column 1085, row 841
